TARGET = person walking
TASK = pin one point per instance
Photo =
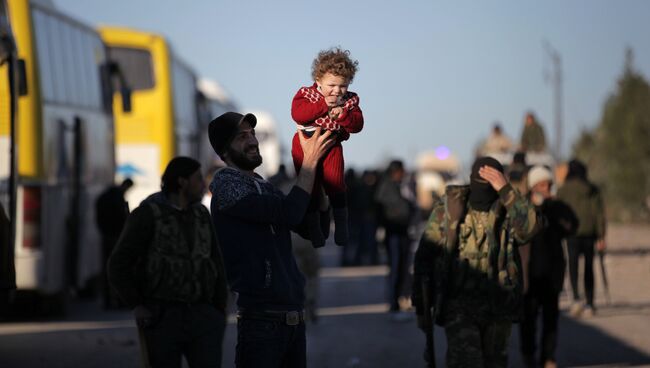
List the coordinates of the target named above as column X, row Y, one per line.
column 469, row 251
column 585, row 200
column 111, row 211
column 545, row 270
column 397, row 211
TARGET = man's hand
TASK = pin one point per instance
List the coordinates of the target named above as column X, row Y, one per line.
column 601, row 245
column 143, row 316
column 493, row 176
column 315, row 147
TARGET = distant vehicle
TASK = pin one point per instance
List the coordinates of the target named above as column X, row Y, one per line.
column 164, row 121
column 532, row 158
column 65, row 147
column 270, row 147
column 435, row 170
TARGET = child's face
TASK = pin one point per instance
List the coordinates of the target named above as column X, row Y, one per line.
column 332, row 85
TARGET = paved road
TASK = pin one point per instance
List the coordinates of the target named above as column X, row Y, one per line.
column 354, row 329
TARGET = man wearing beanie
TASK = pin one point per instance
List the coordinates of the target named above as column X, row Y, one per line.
column 585, row 200
column 167, row 266
column 545, row 270
column 469, row 253
column 253, row 220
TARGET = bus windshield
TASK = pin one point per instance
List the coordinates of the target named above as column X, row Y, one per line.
column 136, row 65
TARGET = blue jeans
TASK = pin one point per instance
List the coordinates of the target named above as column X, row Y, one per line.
column 270, row 344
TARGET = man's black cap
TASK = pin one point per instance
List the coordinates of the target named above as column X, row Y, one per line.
column 222, row 129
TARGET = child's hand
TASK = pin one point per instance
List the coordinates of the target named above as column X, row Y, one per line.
column 335, row 112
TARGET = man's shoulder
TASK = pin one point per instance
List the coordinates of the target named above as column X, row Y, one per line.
column 228, row 177
column 143, row 214
column 229, row 186
column 228, row 173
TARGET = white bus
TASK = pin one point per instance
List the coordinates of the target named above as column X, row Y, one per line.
column 65, row 149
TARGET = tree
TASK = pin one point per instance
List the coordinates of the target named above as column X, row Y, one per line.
column 618, row 150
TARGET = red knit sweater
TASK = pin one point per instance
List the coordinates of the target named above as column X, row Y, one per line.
column 309, row 108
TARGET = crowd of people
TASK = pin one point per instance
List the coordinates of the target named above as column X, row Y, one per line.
column 486, row 255
column 491, row 250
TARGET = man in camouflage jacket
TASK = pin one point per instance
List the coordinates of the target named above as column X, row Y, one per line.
column 469, row 251
column 167, row 266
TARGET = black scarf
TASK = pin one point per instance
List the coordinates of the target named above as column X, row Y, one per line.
column 481, row 193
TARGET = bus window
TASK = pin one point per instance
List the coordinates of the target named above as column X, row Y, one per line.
column 68, row 59
column 43, row 44
column 136, row 65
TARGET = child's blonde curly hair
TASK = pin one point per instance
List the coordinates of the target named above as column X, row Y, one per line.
column 336, row 61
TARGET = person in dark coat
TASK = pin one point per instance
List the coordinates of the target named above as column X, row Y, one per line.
column 367, row 252
column 254, row 220
column 586, row 201
column 397, row 211
column 111, row 211
column 167, row 266
column 545, row 270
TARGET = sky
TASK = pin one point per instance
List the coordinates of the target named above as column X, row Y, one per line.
column 431, row 73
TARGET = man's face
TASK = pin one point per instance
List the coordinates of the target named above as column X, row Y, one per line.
column 332, row 85
column 541, row 191
column 398, row 175
column 193, row 186
column 244, row 149
column 530, row 119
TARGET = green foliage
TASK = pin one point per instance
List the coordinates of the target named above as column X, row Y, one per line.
column 617, row 152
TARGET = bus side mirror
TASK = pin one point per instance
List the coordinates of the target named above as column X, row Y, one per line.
column 22, row 78
column 115, row 71
column 126, row 99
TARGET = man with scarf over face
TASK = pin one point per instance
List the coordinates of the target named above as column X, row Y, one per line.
column 469, row 252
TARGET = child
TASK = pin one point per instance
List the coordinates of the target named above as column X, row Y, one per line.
column 328, row 104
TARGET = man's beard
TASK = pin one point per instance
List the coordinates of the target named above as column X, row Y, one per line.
column 243, row 161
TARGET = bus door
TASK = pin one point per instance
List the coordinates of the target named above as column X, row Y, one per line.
column 69, row 171
column 9, row 68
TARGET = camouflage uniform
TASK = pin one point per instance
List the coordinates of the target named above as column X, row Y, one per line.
column 472, row 258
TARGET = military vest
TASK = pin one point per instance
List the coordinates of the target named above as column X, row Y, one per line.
column 484, row 265
column 473, row 248
column 179, row 264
